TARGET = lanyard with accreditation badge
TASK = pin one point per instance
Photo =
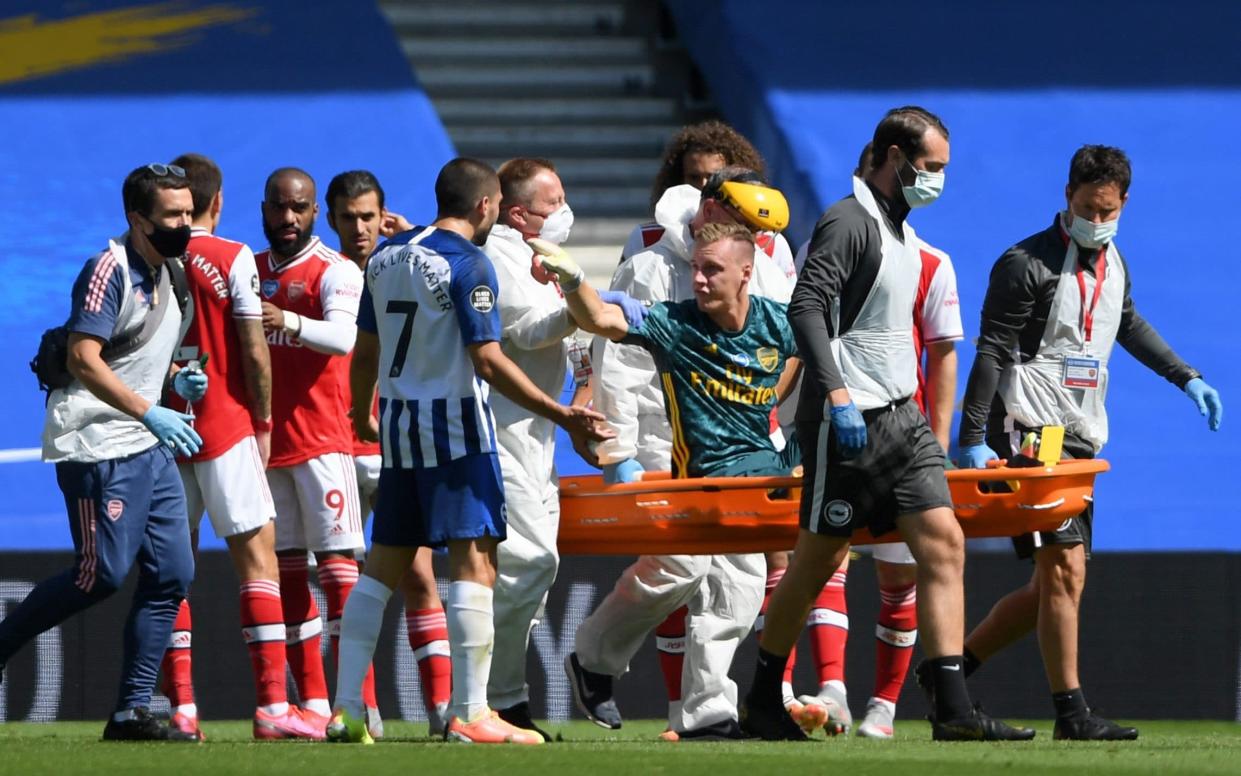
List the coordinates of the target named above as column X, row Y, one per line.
column 1083, row 371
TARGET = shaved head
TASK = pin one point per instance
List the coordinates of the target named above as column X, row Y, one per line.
column 462, row 184
column 288, row 173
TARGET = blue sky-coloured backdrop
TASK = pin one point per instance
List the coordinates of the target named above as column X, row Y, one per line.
column 90, row 90
column 1021, row 85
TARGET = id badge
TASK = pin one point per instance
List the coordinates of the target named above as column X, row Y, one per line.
column 1081, row 372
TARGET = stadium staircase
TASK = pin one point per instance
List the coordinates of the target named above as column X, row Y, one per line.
column 598, row 86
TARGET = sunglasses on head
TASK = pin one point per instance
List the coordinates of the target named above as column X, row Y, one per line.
column 163, row 170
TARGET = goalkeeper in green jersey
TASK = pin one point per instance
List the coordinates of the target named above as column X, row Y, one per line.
column 720, row 357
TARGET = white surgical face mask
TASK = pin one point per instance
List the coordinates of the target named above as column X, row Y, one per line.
column 557, row 224
column 1091, row 235
column 926, row 189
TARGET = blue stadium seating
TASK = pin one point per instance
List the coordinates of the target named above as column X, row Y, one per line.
column 255, row 85
column 262, row 83
column 1021, row 85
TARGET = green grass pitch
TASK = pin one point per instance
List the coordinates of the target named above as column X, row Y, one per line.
column 74, row 747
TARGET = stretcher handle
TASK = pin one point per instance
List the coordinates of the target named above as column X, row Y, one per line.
column 660, row 482
column 999, row 472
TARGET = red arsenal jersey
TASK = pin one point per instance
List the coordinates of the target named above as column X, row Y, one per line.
column 310, row 390
column 223, row 286
column 937, row 311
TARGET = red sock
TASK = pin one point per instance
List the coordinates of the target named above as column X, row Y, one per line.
column 303, row 629
column 262, row 628
column 178, row 683
column 670, row 641
column 895, row 633
column 428, row 638
column 829, row 629
column 337, row 576
column 773, row 578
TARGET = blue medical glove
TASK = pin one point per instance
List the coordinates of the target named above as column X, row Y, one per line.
column 635, row 311
column 170, row 428
column 850, row 430
column 627, row 470
column 190, row 384
column 1208, row 401
column 975, row 457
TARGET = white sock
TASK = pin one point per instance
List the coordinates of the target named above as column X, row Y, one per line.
column 276, row 709
column 471, row 637
column 188, row 709
column 889, row 705
column 318, row 706
column 834, row 684
column 359, row 630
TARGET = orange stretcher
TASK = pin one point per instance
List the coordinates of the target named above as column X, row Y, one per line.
column 760, row 514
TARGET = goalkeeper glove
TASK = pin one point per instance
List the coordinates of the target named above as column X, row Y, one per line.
column 558, row 261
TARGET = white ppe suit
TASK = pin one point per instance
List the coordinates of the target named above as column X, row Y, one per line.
column 535, row 322
column 723, row 592
column 773, row 244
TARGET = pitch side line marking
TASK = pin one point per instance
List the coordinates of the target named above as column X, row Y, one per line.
column 21, row 454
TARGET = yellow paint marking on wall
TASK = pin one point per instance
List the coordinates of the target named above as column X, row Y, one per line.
column 30, row 48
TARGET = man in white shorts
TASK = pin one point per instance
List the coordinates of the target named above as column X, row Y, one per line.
column 225, row 338
column 310, row 303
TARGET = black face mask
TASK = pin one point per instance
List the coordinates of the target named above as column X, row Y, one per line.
column 169, row 243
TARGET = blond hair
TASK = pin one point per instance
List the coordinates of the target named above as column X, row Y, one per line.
column 718, row 232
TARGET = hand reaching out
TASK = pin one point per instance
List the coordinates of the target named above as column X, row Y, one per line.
column 589, row 424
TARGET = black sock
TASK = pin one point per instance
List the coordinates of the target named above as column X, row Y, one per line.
column 970, row 662
column 768, row 674
column 952, row 699
column 1071, row 703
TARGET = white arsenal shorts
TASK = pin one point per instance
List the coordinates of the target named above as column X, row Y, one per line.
column 367, row 468
column 317, row 506
column 232, row 488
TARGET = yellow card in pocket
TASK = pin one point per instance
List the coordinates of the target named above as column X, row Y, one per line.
column 1051, row 445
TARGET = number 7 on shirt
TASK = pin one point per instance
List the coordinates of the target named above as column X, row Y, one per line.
column 409, row 310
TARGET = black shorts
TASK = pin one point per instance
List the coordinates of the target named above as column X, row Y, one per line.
column 900, row 471
column 1075, row 530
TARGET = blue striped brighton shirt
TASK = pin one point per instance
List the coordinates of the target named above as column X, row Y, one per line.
column 430, row 294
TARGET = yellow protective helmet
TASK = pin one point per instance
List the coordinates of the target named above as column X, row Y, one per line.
column 762, row 207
